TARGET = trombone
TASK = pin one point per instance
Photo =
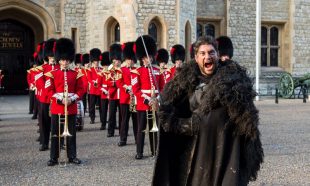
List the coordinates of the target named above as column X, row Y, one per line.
column 64, row 121
column 152, row 116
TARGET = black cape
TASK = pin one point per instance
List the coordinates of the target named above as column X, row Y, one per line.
column 208, row 134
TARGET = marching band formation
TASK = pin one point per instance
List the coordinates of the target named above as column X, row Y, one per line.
column 64, row 84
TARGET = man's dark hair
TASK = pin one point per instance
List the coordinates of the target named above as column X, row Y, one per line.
column 205, row 40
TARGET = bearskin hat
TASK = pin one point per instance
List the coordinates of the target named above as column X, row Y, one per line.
column 49, row 49
column 64, row 49
column 85, row 59
column 128, row 52
column 40, row 52
column 225, row 46
column 150, row 45
column 177, row 52
column 162, row 56
column 115, row 52
column 105, row 59
column 94, row 54
column 78, row 58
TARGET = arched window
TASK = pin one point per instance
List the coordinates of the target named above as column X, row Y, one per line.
column 153, row 31
column 270, row 46
column 274, row 46
column 199, row 30
column 210, row 30
column 264, row 46
column 117, row 37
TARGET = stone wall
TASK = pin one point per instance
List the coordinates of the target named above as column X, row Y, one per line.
column 275, row 10
column 187, row 14
column 165, row 9
column 74, row 17
column 211, row 8
column 241, row 27
column 301, row 38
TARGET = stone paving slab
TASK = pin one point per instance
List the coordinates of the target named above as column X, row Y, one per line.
column 285, row 133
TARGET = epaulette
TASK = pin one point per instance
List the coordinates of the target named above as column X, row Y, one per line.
column 79, row 75
column 39, row 67
column 49, row 74
column 135, row 71
column 28, row 71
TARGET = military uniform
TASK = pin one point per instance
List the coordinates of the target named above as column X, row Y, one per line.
column 104, row 97
column 127, row 98
column 146, row 84
column 58, row 80
column 93, row 80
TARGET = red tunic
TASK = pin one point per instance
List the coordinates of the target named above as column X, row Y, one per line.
column 94, row 81
column 124, row 84
column 56, row 90
column 104, row 86
column 113, row 76
column 142, row 82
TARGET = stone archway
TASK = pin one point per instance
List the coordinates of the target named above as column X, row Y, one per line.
column 112, row 31
column 23, row 24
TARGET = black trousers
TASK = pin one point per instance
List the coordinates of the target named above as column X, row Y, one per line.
column 104, row 112
column 84, row 102
column 31, row 101
column 92, row 106
column 70, row 140
column 113, row 105
column 35, row 107
column 45, row 124
column 142, row 121
column 125, row 114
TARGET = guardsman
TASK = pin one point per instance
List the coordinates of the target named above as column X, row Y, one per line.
column 177, row 54
column 93, row 80
column 85, row 64
column 225, row 48
column 49, row 65
column 112, row 78
column 162, row 58
column 33, row 105
column 59, row 79
column 104, row 103
column 127, row 98
column 147, row 82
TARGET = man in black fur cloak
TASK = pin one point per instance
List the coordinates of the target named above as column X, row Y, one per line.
column 208, row 124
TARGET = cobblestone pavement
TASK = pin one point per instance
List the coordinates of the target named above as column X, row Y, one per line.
column 285, row 133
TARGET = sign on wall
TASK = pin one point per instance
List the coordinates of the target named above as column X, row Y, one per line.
column 11, row 40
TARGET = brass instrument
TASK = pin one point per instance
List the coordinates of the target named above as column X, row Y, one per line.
column 132, row 105
column 66, row 131
column 152, row 116
column 64, row 121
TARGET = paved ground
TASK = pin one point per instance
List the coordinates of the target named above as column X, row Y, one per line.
column 285, row 129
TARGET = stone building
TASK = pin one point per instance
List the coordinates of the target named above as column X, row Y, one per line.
column 99, row 23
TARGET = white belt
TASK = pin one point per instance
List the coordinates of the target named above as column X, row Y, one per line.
column 60, row 96
column 149, row 91
column 104, row 86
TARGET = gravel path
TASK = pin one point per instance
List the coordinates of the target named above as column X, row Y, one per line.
column 285, row 130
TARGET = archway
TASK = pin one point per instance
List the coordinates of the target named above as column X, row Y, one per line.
column 23, row 24
column 16, row 47
column 112, row 32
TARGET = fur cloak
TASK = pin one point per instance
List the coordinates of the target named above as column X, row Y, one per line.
column 208, row 134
